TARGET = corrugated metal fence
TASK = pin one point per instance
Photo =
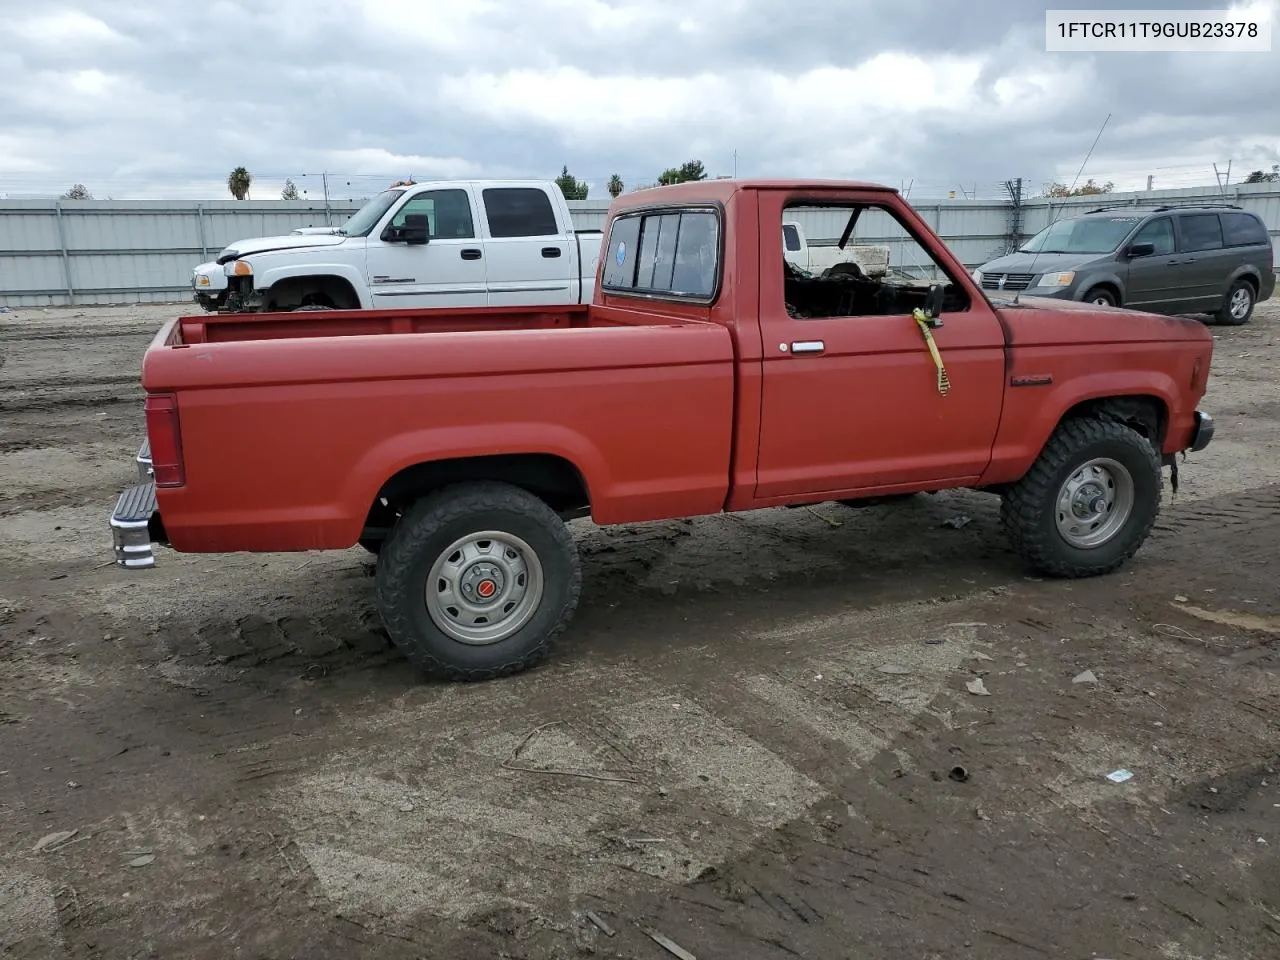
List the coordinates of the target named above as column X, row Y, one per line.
column 130, row 251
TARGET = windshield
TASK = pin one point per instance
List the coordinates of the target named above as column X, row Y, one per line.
column 367, row 217
column 1081, row 235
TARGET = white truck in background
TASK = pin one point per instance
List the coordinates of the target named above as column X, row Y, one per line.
column 446, row 243
column 873, row 259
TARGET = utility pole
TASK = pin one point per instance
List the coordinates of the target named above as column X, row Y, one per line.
column 1150, row 179
column 324, row 178
column 735, row 164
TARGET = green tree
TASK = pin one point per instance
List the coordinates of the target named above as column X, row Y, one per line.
column 687, row 171
column 290, row 191
column 1087, row 189
column 570, row 186
column 238, row 181
column 78, row 192
column 616, row 185
column 1259, row 177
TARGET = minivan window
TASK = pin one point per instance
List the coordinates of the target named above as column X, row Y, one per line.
column 1081, row 235
column 1160, row 233
column 1243, row 230
column 1200, row 231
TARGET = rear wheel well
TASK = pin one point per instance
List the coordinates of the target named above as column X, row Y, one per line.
column 318, row 291
column 553, row 480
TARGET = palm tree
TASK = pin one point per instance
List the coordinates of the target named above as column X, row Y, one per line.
column 238, row 181
column 615, row 185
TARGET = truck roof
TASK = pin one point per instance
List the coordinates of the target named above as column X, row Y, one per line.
column 723, row 189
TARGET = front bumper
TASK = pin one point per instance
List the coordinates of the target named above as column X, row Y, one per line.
column 1202, row 432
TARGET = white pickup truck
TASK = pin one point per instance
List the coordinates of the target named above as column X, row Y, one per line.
column 447, row 243
column 873, row 259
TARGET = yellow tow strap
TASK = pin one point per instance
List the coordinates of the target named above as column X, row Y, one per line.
column 944, row 383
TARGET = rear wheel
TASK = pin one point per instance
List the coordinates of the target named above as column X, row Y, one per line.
column 1238, row 307
column 478, row 581
column 1089, row 501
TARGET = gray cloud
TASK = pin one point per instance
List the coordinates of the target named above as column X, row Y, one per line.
column 132, row 99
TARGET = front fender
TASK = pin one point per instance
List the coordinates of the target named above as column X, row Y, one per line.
column 1030, row 416
column 1108, row 278
column 434, row 444
column 266, row 276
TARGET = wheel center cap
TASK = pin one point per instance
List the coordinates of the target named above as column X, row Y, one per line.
column 483, row 583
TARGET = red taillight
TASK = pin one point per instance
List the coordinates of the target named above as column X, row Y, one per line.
column 166, row 439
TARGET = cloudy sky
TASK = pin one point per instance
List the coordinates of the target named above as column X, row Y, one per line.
column 136, row 99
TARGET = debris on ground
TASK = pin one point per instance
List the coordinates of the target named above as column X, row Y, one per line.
column 977, row 687
column 143, row 860
column 1087, row 676
column 603, row 927
column 956, row 523
column 53, row 840
column 670, row 946
column 1120, row 776
column 893, row 669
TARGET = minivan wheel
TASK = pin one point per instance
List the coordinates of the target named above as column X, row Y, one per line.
column 1238, row 307
column 1101, row 296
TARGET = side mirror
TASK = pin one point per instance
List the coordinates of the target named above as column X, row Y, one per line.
column 416, row 230
column 933, row 301
column 1142, row 249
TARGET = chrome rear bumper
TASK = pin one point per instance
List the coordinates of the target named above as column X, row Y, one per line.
column 135, row 526
column 144, row 462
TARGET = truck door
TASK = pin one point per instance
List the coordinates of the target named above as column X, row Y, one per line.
column 447, row 271
column 532, row 259
column 850, row 399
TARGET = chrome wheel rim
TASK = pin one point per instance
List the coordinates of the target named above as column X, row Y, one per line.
column 1094, row 503
column 1240, row 304
column 1102, row 300
column 484, row 587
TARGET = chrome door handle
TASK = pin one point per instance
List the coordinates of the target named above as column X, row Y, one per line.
column 807, row 346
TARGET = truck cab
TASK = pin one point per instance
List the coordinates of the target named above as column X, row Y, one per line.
column 443, row 243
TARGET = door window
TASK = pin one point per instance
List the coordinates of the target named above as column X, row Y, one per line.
column 448, row 214
column 1200, row 231
column 519, row 212
column 1160, row 234
column 883, row 269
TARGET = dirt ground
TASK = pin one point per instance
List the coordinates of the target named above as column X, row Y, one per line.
column 745, row 746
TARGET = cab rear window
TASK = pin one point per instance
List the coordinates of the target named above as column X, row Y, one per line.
column 667, row 253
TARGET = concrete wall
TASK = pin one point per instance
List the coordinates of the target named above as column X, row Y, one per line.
column 131, row 251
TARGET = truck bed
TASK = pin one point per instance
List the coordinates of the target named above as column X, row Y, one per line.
column 292, row 423
column 292, row 325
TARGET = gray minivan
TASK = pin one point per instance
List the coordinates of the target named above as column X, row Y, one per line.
column 1215, row 259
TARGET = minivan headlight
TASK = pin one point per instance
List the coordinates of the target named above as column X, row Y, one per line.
column 1056, row 279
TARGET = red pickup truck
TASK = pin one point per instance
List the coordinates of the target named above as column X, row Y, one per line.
column 707, row 375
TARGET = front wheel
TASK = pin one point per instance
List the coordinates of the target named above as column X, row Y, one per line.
column 1089, row 501
column 1101, row 297
column 478, row 581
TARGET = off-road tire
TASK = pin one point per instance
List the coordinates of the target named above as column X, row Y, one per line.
column 1028, row 510
column 427, row 529
column 1224, row 317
